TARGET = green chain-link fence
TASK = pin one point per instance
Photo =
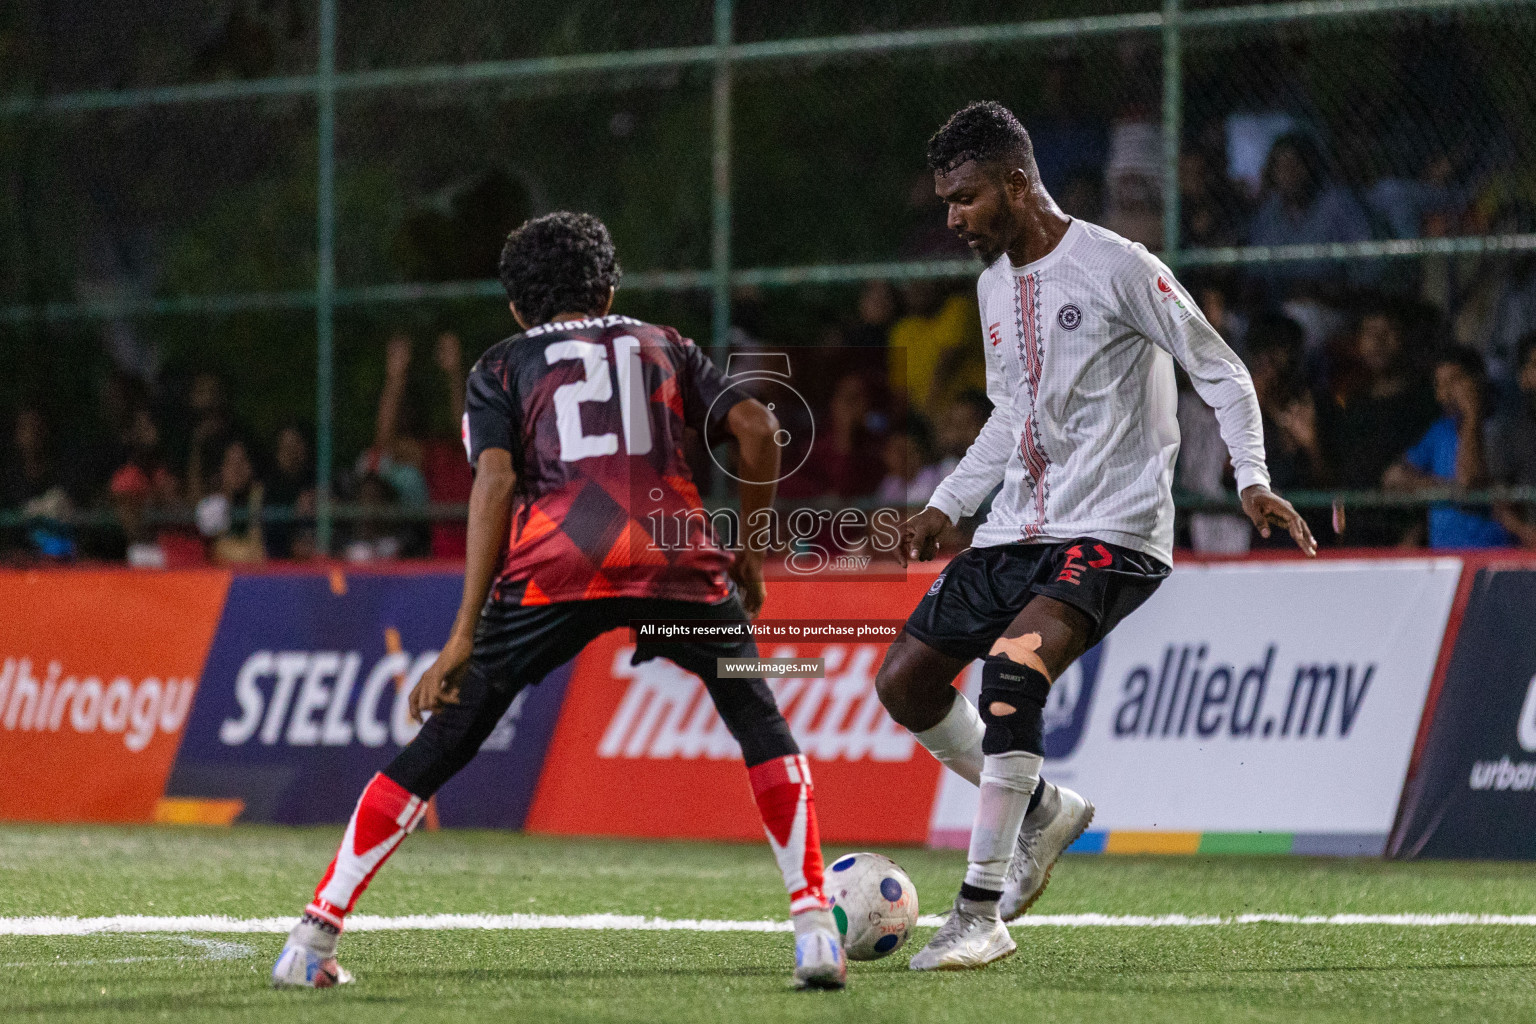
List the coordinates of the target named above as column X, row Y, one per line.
column 318, row 174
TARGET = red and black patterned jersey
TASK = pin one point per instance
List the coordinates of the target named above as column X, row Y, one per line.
column 593, row 412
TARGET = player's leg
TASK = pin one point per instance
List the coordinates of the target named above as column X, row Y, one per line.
column 781, row 786
column 391, row 806
column 915, row 683
column 1014, row 841
column 1093, row 583
column 513, row 647
column 1043, row 640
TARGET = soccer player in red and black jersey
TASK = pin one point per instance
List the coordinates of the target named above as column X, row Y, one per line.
column 575, row 429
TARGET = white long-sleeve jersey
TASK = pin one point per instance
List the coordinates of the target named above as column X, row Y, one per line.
column 1083, row 434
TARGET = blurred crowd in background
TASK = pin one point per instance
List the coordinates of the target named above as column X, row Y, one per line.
column 1394, row 375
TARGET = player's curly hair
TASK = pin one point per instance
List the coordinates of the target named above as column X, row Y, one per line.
column 559, row 263
column 984, row 132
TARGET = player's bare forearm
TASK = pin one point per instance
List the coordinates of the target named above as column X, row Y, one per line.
column 490, row 516
column 397, row 359
column 1471, row 466
column 754, row 427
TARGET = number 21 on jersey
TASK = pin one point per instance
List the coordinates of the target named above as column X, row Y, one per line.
column 595, row 386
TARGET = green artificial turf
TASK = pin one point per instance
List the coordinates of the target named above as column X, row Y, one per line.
column 1257, row 972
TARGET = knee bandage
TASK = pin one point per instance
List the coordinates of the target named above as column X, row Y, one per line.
column 1005, row 685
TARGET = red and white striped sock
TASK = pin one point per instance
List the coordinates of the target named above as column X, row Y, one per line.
column 385, row 814
column 787, row 801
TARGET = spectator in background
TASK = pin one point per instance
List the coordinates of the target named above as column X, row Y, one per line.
column 1205, row 468
column 1070, row 141
column 1083, row 195
column 934, row 350
column 213, row 427
column 397, row 456
column 1133, row 180
column 1204, row 465
column 1511, row 448
column 876, row 313
column 32, row 483
column 1292, row 450
column 1420, row 207
column 1299, row 205
column 846, row 457
column 910, row 472
column 1133, row 172
column 376, row 538
column 144, row 483
column 444, row 463
column 291, row 485
column 235, row 486
column 959, row 424
column 1379, row 404
column 1210, row 206
column 1451, row 454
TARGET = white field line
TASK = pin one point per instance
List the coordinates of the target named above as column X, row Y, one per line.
column 212, row 949
column 137, row 925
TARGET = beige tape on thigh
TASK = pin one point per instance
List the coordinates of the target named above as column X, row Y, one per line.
column 1022, row 650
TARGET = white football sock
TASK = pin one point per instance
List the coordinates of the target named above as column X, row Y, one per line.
column 956, row 740
column 1007, row 782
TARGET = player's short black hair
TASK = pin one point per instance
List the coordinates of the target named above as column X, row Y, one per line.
column 559, row 263
column 983, row 131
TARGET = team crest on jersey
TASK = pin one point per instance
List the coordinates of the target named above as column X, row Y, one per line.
column 1069, row 316
column 937, row 585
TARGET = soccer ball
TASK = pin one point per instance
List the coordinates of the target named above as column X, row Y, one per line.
column 874, row 904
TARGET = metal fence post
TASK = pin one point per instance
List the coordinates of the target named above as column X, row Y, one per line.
column 1173, row 117
column 720, row 183
column 720, row 204
column 325, row 274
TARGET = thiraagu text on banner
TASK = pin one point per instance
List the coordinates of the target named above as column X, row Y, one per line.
column 98, row 669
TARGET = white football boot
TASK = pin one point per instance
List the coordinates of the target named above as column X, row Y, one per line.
column 819, row 960
column 966, row 940
column 1055, row 824
column 308, row 959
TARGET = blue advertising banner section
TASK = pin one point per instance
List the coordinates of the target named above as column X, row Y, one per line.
column 1474, row 795
column 304, row 697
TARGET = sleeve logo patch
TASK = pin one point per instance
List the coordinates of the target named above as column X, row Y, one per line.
column 1069, row 316
column 1167, row 293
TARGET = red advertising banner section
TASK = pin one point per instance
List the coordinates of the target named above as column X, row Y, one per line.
column 98, row 670
column 640, row 751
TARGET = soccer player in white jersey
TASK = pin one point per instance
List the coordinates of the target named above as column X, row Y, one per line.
column 1080, row 328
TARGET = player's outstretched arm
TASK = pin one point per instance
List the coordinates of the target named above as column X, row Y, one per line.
column 1266, row 509
column 753, row 426
column 490, row 516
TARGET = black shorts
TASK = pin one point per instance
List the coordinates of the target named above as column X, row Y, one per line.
column 518, row 645
column 983, row 589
